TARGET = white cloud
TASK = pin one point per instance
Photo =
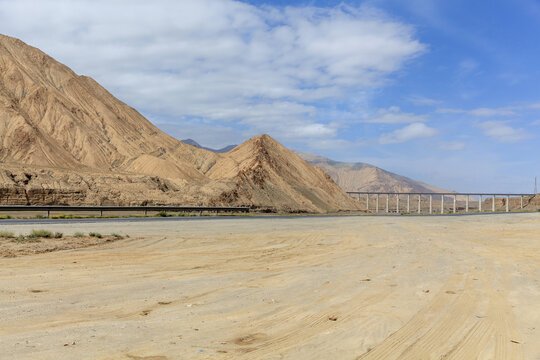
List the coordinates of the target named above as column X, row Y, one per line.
column 409, row 132
column 452, row 146
column 468, row 65
column 536, row 122
column 393, row 115
column 483, row 112
column 467, row 68
column 421, row 100
column 221, row 60
column 501, row 132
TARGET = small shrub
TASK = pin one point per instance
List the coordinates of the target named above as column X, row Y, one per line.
column 59, row 216
column 96, row 235
column 40, row 217
column 117, row 236
column 22, row 239
column 58, row 235
column 7, row 234
column 5, row 217
column 162, row 213
column 35, row 234
column 78, row 234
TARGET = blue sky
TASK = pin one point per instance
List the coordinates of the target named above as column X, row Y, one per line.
column 441, row 91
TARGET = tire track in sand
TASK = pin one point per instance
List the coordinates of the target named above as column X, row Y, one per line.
column 476, row 322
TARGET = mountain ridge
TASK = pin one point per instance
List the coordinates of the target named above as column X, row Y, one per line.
column 62, row 133
column 365, row 177
column 357, row 176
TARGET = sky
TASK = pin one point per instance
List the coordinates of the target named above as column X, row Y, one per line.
column 446, row 92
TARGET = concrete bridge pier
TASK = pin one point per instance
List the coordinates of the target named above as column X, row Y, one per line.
column 452, row 208
column 480, row 203
column 367, row 202
column 442, row 204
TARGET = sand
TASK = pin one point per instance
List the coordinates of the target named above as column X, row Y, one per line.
column 283, row 288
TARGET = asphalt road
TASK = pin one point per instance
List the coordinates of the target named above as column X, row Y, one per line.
column 203, row 218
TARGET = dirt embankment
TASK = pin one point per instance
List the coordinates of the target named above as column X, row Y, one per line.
column 14, row 246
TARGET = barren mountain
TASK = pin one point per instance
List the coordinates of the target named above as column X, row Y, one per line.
column 267, row 173
column 65, row 139
column 365, row 177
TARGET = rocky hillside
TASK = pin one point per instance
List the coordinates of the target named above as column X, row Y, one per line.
column 65, row 139
column 265, row 172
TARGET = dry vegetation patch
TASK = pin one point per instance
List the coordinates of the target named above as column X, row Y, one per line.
column 42, row 241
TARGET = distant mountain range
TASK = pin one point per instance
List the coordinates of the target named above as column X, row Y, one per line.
column 219, row 151
column 358, row 176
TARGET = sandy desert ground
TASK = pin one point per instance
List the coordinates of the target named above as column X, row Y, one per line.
column 368, row 287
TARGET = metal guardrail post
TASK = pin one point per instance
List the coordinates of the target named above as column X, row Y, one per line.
column 467, row 203
column 430, row 204
column 493, row 204
column 397, row 204
column 408, row 203
column 377, row 203
column 454, row 204
column 507, row 203
column 419, row 203
column 521, row 200
column 387, row 202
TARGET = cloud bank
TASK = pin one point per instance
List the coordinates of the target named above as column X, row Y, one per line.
column 502, row 132
column 409, row 132
column 203, row 62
